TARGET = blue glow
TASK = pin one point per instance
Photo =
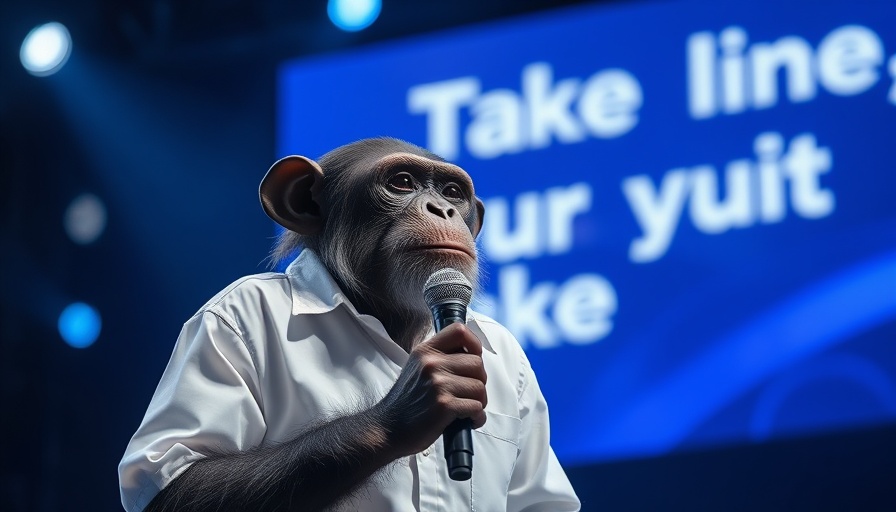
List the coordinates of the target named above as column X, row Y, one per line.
column 46, row 49
column 79, row 325
column 353, row 15
column 758, row 317
column 806, row 323
column 866, row 374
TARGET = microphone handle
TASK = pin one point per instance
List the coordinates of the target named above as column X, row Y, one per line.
column 448, row 313
column 458, row 437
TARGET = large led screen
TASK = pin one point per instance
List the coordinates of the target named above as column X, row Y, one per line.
column 690, row 206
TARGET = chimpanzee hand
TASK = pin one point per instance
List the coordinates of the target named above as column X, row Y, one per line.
column 444, row 379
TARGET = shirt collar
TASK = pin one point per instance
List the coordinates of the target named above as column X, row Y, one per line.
column 314, row 291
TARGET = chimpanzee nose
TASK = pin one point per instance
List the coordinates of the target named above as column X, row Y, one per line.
column 444, row 212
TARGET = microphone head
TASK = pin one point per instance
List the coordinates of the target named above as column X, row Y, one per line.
column 447, row 286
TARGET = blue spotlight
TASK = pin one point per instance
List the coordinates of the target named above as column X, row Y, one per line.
column 46, row 49
column 79, row 325
column 353, row 15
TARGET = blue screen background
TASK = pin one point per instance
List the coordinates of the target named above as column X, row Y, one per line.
column 756, row 330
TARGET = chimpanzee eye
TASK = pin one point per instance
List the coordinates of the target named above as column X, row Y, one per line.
column 402, row 182
column 452, row 191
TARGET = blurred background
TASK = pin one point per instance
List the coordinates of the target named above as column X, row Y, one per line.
column 690, row 226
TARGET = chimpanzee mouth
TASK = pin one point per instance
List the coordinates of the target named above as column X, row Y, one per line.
column 444, row 246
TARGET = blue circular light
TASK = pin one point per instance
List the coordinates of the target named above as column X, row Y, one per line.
column 79, row 325
column 46, row 49
column 353, row 15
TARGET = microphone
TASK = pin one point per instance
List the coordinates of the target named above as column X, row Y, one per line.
column 447, row 293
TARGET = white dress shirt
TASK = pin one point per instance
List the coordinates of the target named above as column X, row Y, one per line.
column 273, row 352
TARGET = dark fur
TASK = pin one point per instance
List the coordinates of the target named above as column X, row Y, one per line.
column 335, row 164
column 364, row 244
column 322, row 466
column 352, row 244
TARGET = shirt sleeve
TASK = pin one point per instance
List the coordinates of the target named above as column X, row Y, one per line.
column 538, row 482
column 208, row 400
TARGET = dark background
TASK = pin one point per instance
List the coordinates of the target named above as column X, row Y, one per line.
column 166, row 111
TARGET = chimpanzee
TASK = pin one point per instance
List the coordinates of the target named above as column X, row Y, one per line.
column 325, row 386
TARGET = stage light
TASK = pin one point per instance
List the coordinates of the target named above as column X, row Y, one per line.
column 353, row 15
column 46, row 49
column 85, row 219
column 79, row 325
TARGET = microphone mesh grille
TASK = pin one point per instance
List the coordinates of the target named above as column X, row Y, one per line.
column 447, row 285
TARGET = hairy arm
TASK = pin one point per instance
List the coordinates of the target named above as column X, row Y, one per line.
column 316, row 469
column 444, row 379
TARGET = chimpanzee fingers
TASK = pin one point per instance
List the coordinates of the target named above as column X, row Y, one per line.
column 464, row 388
column 465, row 365
column 455, row 338
column 435, row 364
column 472, row 409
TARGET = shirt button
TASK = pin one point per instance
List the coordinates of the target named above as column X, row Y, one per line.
column 426, row 452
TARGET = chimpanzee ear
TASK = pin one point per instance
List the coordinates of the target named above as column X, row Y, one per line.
column 480, row 215
column 290, row 194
